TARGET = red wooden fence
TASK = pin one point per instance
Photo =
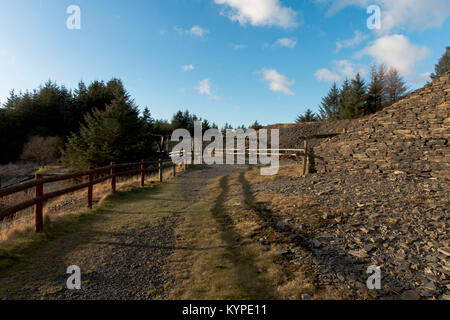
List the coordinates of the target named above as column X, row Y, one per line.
column 39, row 182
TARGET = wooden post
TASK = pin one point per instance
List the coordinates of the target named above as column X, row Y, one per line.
column 167, row 145
column 162, row 144
column 142, row 173
column 192, row 152
column 90, row 188
column 184, row 161
column 160, row 170
column 305, row 158
column 113, row 178
column 38, row 207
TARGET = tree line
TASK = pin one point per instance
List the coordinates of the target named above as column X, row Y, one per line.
column 355, row 98
column 89, row 126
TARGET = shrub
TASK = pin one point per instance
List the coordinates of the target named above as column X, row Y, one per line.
column 43, row 150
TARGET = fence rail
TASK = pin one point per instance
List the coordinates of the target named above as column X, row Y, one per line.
column 305, row 153
column 40, row 197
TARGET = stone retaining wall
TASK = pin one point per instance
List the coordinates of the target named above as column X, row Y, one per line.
column 409, row 137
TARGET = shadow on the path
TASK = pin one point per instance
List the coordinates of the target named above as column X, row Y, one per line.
column 242, row 262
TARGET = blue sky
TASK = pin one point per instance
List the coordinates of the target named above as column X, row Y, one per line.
column 225, row 60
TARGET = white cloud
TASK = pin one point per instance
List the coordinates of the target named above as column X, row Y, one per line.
column 325, row 75
column 396, row 51
column 277, row 81
column 410, row 14
column 188, row 67
column 238, row 46
column 259, row 13
column 348, row 69
column 357, row 39
column 282, row 43
column 196, row 31
column 204, row 87
column 286, row 42
column 343, row 69
column 178, row 30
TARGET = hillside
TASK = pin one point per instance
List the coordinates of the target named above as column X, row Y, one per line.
column 410, row 137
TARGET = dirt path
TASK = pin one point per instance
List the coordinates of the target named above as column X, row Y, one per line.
column 121, row 247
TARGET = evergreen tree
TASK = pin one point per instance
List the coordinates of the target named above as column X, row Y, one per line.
column 377, row 89
column 147, row 123
column 147, row 117
column 226, row 127
column 162, row 127
column 309, row 116
column 442, row 66
column 184, row 120
column 359, row 92
column 205, row 125
column 329, row 107
column 256, row 126
column 346, row 101
column 112, row 135
column 98, row 95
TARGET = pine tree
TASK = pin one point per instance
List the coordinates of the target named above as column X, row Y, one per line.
column 359, row 92
column 345, row 101
column 205, row 125
column 226, row 127
column 329, row 107
column 377, row 89
column 396, row 86
column 256, row 126
column 309, row 116
column 443, row 65
column 112, row 135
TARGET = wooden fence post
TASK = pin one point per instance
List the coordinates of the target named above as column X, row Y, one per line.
column 184, row 161
column 160, row 170
column 90, row 188
column 38, row 207
column 192, row 152
column 167, row 145
column 113, row 178
column 305, row 158
column 142, row 173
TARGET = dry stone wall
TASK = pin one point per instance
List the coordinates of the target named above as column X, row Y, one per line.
column 409, row 137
